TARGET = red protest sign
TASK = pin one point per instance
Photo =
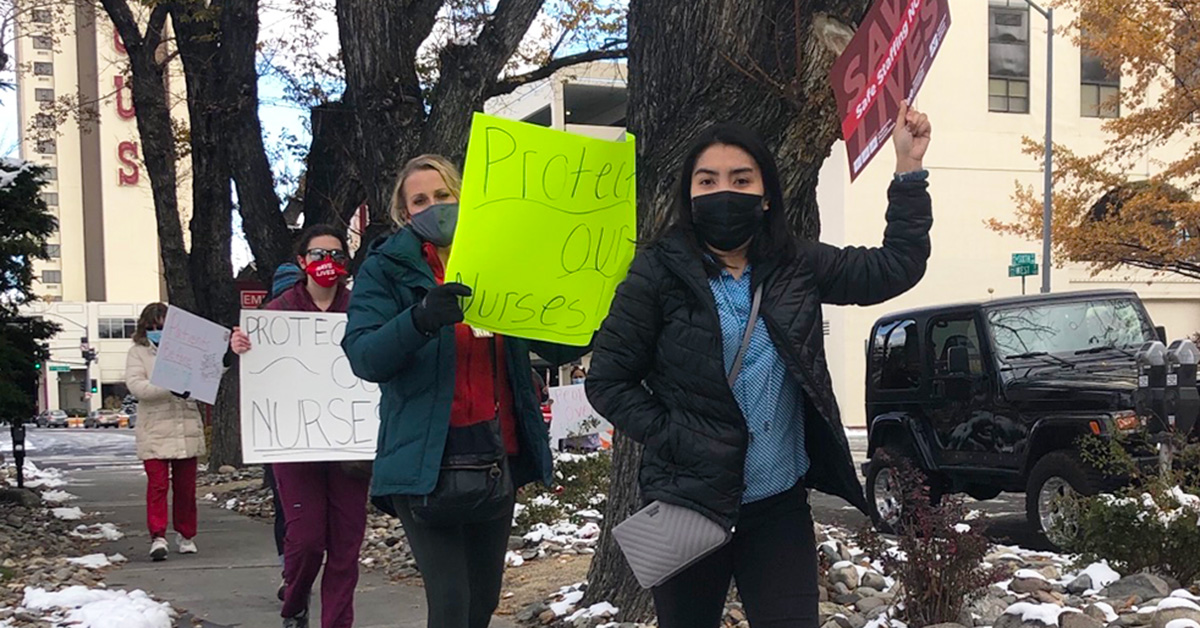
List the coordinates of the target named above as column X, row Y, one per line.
column 885, row 63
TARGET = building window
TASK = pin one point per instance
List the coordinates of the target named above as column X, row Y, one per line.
column 43, row 94
column 42, row 16
column 53, row 251
column 42, row 42
column 46, row 147
column 1008, row 56
column 51, row 198
column 117, row 328
column 43, row 68
column 898, row 356
column 1100, row 86
column 52, row 298
column 43, row 121
column 51, row 276
column 51, row 174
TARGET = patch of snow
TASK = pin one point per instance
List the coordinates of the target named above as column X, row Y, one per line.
column 567, row 603
column 1182, row 623
column 1185, row 594
column 1110, row 615
column 962, row 528
column 57, row 496
column 98, row 532
column 67, row 514
column 97, row 608
column 1028, row 574
column 92, row 561
column 1101, row 574
column 602, row 609
column 40, row 478
column 973, row 515
column 513, row 559
column 231, row 504
column 1048, row 614
column 1177, row 602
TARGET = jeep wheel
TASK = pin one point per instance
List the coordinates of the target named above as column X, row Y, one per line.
column 1056, row 478
column 885, row 497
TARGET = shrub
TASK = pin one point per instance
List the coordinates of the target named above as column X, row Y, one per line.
column 581, row 483
column 1150, row 525
column 938, row 559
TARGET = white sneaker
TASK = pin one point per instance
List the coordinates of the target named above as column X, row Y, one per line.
column 159, row 549
column 187, row 546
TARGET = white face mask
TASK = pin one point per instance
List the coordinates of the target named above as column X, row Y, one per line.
column 577, row 380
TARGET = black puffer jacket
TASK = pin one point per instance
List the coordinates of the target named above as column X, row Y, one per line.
column 659, row 376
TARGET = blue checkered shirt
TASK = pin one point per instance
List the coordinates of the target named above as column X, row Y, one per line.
column 767, row 394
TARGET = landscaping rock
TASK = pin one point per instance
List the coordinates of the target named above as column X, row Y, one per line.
column 1145, row 586
column 1162, row 617
column 872, row 580
column 1029, row 585
column 1078, row 620
column 227, row 470
column 949, row 625
column 1080, row 585
column 866, row 605
column 847, row 576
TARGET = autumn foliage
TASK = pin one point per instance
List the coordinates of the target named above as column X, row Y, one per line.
column 1105, row 216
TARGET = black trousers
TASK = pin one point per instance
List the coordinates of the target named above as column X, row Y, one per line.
column 462, row 566
column 773, row 558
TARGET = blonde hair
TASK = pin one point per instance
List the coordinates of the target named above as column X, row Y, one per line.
column 441, row 165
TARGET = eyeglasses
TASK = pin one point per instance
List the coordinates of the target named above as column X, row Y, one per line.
column 337, row 255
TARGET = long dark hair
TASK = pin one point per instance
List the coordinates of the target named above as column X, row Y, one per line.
column 775, row 240
column 153, row 316
column 317, row 231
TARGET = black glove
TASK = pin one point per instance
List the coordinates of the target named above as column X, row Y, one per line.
column 440, row 308
column 187, row 394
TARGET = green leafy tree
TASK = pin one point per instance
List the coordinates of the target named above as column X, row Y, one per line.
column 25, row 224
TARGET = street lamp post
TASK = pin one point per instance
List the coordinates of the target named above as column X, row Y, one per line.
column 1048, row 184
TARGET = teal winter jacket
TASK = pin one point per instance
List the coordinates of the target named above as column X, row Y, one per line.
column 416, row 374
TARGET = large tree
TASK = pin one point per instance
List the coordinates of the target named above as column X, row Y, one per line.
column 25, row 225
column 1107, row 213
column 764, row 63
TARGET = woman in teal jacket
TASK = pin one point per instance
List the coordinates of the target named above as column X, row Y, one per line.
column 405, row 332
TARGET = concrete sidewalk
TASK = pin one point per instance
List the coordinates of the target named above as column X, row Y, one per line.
column 232, row 581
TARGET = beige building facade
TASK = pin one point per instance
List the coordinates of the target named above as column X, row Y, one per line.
column 77, row 118
column 985, row 92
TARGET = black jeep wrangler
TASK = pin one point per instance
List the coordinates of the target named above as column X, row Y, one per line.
column 993, row 397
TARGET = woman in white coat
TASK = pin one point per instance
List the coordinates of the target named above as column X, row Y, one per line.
column 170, row 437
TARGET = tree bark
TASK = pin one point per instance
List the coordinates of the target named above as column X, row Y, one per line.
column 760, row 63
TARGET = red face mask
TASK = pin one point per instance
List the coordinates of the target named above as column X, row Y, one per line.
column 326, row 272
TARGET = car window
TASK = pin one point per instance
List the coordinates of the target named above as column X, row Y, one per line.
column 948, row 333
column 897, row 356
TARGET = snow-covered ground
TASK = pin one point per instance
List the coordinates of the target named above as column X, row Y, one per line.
column 95, row 608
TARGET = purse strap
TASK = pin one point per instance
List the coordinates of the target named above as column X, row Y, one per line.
column 741, row 354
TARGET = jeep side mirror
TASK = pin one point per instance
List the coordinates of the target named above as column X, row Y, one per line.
column 959, row 361
column 1162, row 334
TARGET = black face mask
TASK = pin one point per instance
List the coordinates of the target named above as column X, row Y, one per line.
column 727, row 220
column 437, row 223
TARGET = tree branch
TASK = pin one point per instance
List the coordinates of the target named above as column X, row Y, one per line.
column 122, row 18
column 510, row 84
column 156, row 27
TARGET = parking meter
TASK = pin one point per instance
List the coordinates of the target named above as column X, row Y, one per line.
column 18, row 441
column 1182, row 400
column 1152, row 382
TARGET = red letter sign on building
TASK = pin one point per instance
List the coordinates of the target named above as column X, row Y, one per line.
column 125, row 111
column 127, row 153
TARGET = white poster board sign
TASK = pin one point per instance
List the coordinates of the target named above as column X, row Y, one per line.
column 300, row 400
column 190, row 355
column 572, row 417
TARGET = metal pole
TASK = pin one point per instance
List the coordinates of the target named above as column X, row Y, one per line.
column 1047, row 212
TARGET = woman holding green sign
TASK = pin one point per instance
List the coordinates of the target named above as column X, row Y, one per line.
column 460, row 427
column 712, row 357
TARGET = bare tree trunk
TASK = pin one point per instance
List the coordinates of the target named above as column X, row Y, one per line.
column 158, row 141
column 760, row 63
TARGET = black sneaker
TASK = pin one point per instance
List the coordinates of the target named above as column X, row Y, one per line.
column 299, row 621
column 282, row 592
